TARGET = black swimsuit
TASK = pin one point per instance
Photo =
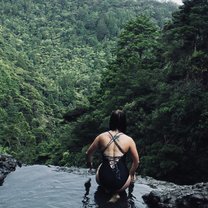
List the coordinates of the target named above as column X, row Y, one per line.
column 113, row 172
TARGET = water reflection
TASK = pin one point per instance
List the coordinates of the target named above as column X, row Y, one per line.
column 86, row 198
column 101, row 198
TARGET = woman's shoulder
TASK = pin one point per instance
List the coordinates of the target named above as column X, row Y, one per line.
column 103, row 134
column 127, row 137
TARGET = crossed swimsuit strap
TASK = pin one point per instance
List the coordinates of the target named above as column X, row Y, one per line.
column 113, row 161
column 113, row 139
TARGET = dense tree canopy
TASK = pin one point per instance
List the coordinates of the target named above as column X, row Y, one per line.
column 65, row 65
column 160, row 79
column 52, row 55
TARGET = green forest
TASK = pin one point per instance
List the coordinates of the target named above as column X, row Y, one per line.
column 66, row 64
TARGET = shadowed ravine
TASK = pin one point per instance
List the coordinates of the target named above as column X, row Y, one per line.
column 40, row 186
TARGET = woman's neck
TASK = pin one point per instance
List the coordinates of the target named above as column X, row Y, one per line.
column 115, row 131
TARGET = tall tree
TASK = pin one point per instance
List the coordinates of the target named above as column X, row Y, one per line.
column 182, row 104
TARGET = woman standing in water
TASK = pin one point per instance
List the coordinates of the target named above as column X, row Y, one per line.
column 113, row 174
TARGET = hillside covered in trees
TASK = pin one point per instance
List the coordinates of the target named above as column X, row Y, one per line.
column 65, row 65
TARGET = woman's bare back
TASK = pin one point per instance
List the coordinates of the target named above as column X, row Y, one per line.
column 113, row 150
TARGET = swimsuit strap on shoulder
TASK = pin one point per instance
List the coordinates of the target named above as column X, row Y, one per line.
column 109, row 143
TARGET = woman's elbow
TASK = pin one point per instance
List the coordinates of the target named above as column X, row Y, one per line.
column 136, row 162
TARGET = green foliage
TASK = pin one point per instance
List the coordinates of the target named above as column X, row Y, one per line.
column 57, row 56
column 154, row 163
column 185, row 37
column 160, row 79
column 52, row 56
column 4, row 150
column 181, row 104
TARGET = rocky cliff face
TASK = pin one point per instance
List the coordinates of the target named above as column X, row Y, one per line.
column 7, row 165
column 169, row 195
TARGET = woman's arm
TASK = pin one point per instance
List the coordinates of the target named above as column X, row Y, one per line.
column 135, row 159
column 90, row 151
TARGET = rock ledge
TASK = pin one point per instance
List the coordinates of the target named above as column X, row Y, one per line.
column 7, row 165
column 170, row 195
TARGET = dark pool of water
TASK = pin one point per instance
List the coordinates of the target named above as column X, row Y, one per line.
column 40, row 186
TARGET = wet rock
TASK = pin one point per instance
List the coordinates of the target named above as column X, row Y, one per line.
column 7, row 165
column 169, row 195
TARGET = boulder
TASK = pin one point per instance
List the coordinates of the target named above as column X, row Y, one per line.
column 169, row 195
column 7, row 165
